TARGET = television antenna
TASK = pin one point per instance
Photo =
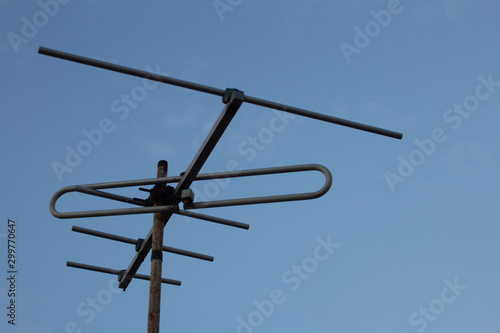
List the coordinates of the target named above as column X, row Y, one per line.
column 164, row 200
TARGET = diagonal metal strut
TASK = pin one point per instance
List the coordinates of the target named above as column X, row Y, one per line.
column 235, row 99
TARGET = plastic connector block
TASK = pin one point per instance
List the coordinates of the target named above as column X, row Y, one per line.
column 187, row 196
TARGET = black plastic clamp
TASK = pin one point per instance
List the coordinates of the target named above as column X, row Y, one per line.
column 138, row 244
column 157, row 254
column 229, row 92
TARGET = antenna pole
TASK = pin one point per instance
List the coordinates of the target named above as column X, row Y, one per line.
column 156, row 254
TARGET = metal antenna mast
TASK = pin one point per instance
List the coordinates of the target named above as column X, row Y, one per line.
column 164, row 200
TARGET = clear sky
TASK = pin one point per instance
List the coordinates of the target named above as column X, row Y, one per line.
column 407, row 238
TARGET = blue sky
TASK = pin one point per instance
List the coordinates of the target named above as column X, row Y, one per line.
column 406, row 240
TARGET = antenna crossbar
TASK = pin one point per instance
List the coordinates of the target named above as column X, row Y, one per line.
column 216, row 91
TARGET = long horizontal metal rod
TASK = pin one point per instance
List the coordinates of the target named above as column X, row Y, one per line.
column 216, row 91
column 107, row 195
column 323, row 117
column 112, row 212
column 104, row 235
column 213, row 219
column 134, row 242
column 116, row 272
column 129, row 71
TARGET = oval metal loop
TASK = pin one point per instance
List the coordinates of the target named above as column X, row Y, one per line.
column 266, row 199
column 93, row 189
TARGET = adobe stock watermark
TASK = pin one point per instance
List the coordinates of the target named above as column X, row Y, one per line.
column 453, row 117
column 31, row 26
column 426, row 315
column 223, row 6
column 292, row 280
column 94, row 137
column 364, row 36
column 89, row 309
column 249, row 150
column 12, row 270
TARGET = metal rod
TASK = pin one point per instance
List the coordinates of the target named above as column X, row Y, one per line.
column 93, row 268
column 116, row 272
column 128, row 183
column 111, row 196
column 134, row 242
column 323, row 117
column 113, row 212
column 104, row 235
column 156, row 259
column 218, row 92
column 139, row 257
column 211, row 140
column 188, row 253
column 130, row 71
column 185, row 181
column 213, row 219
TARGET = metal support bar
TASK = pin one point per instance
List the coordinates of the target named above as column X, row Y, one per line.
column 213, row 219
column 134, row 242
column 130, row 71
column 111, row 196
column 323, row 117
column 114, row 212
column 215, row 91
column 117, row 272
column 235, row 100
column 139, row 257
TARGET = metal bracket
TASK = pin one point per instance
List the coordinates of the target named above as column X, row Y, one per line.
column 160, row 193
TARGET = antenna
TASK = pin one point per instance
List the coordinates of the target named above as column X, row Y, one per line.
column 164, row 200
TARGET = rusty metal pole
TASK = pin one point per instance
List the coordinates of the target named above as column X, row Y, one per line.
column 156, row 259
